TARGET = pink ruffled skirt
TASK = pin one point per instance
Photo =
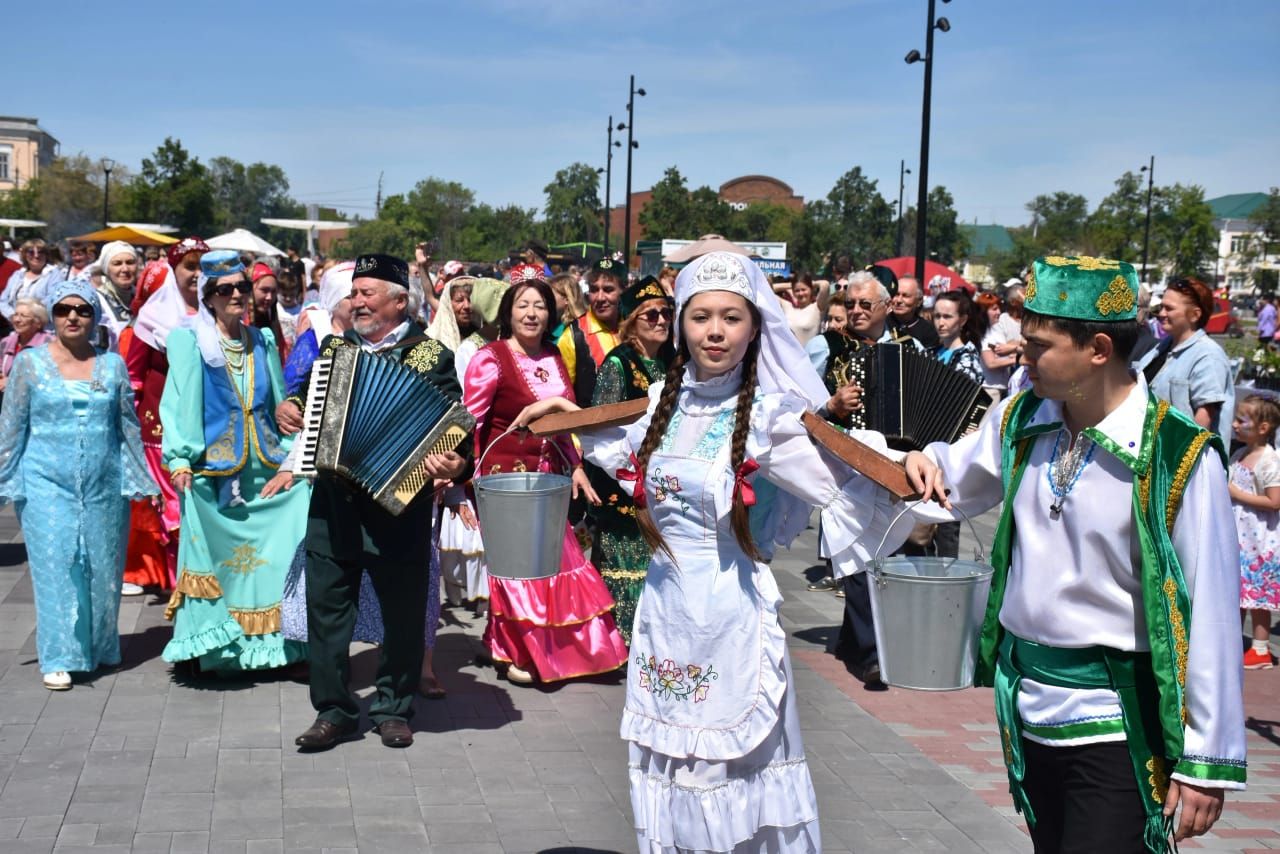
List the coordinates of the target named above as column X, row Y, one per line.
column 558, row 627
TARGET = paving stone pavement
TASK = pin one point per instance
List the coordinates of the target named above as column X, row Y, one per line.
column 137, row 760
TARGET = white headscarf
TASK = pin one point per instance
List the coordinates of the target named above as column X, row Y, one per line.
column 111, row 250
column 444, row 325
column 164, row 311
column 335, row 285
column 782, row 365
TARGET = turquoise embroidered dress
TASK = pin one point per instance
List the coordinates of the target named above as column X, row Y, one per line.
column 72, row 450
column 236, row 547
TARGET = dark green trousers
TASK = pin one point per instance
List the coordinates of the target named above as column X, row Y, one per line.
column 332, row 590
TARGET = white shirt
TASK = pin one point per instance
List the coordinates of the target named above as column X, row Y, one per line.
column 394, row 337
column 1073, row 581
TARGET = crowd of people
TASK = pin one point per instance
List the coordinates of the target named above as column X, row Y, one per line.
column 180, row 383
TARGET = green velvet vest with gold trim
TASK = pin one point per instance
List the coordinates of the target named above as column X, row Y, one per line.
column 1171, row 446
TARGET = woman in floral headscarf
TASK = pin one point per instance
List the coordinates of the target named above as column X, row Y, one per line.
column 69, row 447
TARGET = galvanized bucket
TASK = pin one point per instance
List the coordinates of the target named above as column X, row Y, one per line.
column 928, row 613
column 522, row 520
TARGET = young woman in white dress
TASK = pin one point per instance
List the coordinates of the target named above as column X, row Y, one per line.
column 723, row 472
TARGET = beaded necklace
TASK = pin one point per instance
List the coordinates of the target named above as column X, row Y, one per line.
column 234, row 351
column 1066, row 467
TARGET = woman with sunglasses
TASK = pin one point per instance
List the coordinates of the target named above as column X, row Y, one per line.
column 241, row 522
column 36, row 278
column 70, row 447
column 620, row 552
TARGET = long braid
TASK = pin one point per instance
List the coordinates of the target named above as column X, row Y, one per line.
column 657, row 429
column 739, row 515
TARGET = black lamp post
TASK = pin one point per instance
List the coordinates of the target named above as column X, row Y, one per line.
column 629, row 127
column 107, row 165
column 1146, row 236
column 903, row 172
column 608, row 180
column 922, row 203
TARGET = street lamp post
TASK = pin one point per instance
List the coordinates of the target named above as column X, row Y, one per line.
column 1146, row 235
column 922, row 203
column 107, row 165
column 629, row 127
column 903, row 172
column 608, row 180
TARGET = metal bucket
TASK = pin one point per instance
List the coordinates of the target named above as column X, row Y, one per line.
column 928, row 614
column 522, row 520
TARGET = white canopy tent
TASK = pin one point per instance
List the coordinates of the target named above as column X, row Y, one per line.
column 14, row 224
column 310, row 226
column 243, row 240
column 147, row 226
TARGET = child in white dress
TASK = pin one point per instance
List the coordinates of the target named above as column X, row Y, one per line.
column 1255, row 498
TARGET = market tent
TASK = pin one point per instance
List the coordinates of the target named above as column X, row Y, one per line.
column 243, row 240
column 704, row 244
column 14, row 224
column 311, row 226
column 937, row 278
column 130, row 234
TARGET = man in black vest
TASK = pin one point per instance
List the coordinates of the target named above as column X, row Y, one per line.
column 348, row 531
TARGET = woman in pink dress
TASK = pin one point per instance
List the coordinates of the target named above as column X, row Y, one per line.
column 555, row 628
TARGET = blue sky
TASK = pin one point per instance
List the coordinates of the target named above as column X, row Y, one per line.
column 1029, row 96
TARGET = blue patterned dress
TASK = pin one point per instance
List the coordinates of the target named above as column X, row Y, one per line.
column 72, row 451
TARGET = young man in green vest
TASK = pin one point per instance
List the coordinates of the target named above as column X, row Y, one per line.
column 1112, row 634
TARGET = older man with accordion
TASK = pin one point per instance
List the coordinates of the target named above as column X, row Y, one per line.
column 381, row 421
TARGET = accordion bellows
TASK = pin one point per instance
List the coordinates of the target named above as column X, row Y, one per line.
column 375, row 421
column 912, row 398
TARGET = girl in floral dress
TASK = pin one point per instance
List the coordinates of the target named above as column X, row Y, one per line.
column 1255, row 495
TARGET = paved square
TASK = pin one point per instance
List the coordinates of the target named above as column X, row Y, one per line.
column 136, row 761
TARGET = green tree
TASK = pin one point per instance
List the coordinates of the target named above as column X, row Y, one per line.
column 861, row 221
column 67, row 196
column 243, row 195
column 814, row 236
column 709, row 214
column 489, row 233
column 1116, row 228
column 172, row 188
column 1058, row 222
column 765, row 221
column 1183, row 232
column 669, row 213
column 944, row 240
column 572, row 211
column 1266, row 221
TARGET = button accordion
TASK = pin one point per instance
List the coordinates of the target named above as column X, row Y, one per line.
column 910, row 397
column 373, row 421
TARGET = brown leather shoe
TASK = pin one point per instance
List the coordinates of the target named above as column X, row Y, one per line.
column 323, row 735
column 395, row 733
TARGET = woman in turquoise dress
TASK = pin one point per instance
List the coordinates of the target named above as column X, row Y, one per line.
column 70, row 447
column 240, row 524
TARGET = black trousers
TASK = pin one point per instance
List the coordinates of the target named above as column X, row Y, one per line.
column 333, row 589
column 856, row 642
column 1085, row 799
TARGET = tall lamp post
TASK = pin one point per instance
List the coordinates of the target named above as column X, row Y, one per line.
column 903, row 172
column 1146, row 235
column 608, row 180
column 629, row 127
column 107, row 165
column 922, row 203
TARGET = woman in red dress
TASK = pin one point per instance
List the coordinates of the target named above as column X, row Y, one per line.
column 555, row 628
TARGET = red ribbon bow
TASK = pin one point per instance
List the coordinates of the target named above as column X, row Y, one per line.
column 740, row 484
column 635, row 473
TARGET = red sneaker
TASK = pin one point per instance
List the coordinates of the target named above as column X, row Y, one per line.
column 1254, row 660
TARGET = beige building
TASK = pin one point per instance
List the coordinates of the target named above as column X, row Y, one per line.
column 25, row 149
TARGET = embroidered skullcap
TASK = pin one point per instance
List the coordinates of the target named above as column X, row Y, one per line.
column 642, row 291
column 219, row 263
column 884, row 276
column 388, row 268
column 522, row 273
column 179, row 250
column 78, row 287
column 1080, row 287
column 609, row 267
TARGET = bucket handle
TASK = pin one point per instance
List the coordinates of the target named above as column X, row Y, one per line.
column 978, row 553
column 480, row 461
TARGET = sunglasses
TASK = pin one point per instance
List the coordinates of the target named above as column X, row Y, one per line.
column 226, row 290
column 63, row 309
column 32, row 253
column 653, row 315
column 864, row 304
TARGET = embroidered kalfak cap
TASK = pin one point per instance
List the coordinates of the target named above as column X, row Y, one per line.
column 1080, row 287
column 642, row 291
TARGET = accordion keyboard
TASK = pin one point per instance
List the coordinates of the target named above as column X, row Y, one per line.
column 311, row 416
column 415, row 480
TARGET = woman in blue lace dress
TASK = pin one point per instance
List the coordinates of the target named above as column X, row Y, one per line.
column 71, row 448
